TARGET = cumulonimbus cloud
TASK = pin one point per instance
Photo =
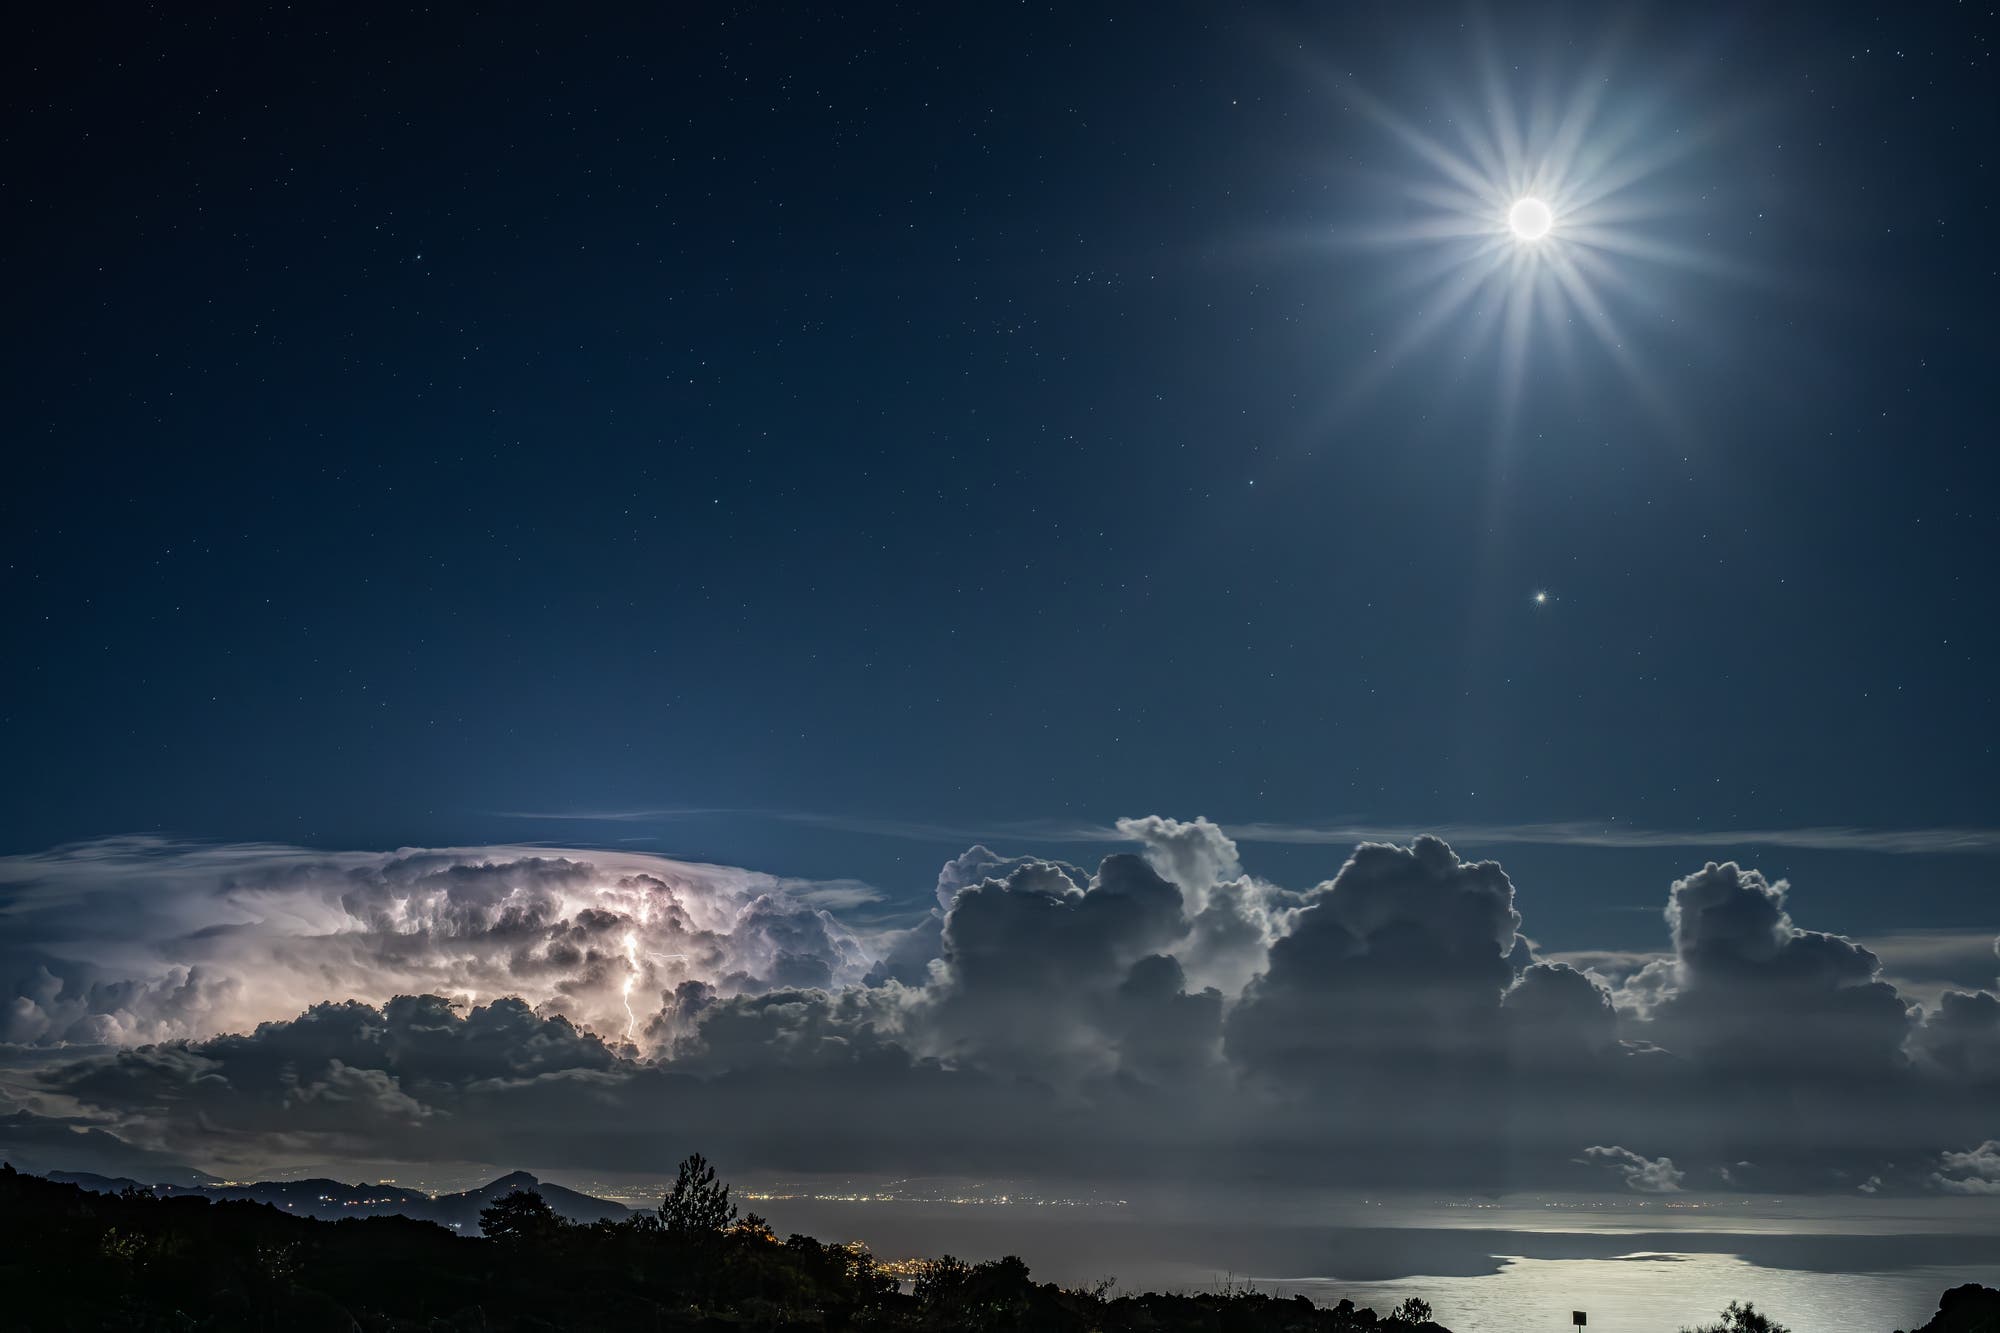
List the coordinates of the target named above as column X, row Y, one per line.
column 1165, row 1011
column 140, row 939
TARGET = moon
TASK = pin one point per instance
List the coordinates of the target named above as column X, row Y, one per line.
column 1530, row 219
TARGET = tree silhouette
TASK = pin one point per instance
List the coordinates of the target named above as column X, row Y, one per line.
column 1741, row 1318
column 753, row 1227
column 523, row 1215
column 698, row 1204
column 1412, row 1311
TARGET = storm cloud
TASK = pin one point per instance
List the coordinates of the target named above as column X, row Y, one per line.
column 1165, row 1012
column 134, row 940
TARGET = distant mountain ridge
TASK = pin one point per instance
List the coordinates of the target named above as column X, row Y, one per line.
column 330, row 1200
column 39, row 1144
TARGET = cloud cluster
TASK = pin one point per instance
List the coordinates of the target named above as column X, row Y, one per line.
column 1400, row 963
column 1643, row 1175
column 1750, row 990
column 1975, row 1171
column 1164, row 1013
column 1962, row 1037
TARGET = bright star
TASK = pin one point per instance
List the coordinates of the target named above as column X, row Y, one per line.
column 1541, row 599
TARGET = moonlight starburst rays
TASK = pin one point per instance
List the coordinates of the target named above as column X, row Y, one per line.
column 1529, row 218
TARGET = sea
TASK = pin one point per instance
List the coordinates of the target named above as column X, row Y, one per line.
column 1505, row 1265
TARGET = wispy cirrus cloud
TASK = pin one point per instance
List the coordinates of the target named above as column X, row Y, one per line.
column 1935, row 841
column 913, row 830
column 1589, row 833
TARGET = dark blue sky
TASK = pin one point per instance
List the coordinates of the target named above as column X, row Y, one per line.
column 957, row 416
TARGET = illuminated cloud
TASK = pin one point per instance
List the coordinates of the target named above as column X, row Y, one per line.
column 135, row 939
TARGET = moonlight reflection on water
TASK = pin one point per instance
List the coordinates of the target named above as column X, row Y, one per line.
column 1653, row 1292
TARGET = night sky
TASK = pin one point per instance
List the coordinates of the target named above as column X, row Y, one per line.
column 939, row 416
column 815, row 443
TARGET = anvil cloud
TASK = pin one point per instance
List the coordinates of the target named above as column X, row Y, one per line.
column 135, row 940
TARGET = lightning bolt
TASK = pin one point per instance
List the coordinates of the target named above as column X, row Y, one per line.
column 631, row 980
column 633, row 970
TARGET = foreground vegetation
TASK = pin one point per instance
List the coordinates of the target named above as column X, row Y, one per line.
column 70, row 1259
